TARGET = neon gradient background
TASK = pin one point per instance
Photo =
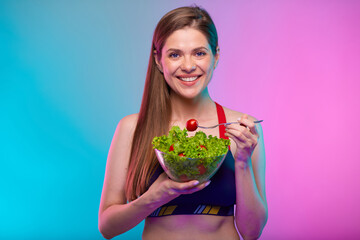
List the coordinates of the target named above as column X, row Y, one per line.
column 70, row 70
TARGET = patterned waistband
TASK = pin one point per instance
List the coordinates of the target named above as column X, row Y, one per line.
column 193, row 210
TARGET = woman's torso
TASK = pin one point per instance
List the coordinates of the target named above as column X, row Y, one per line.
column 197, row 226
column 190, row 227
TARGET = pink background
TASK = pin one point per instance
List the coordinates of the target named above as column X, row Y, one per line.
column 296, row 64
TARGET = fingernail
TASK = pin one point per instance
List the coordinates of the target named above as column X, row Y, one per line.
column 196, row 183
column 207, row 183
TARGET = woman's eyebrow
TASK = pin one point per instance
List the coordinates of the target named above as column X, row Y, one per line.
column 173, row 50
column 195, row 49
column 201, row 48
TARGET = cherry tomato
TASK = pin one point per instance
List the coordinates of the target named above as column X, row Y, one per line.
column 201, row 169
column 191, row 125
column 171, row 148
column 181, row 155
column 184, row 178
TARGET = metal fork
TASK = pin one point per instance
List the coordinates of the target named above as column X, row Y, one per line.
column 259, row 121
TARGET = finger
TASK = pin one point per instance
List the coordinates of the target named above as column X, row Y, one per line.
column 237, row 127
column 193, row 189
column 243, row 117
column 180, row 186
column 240, row 144
column 244, row 136
column 245, row 121
column 199, row 187
column 240, row 133
column 237, row 137
column 241, row 124
column 192, row 184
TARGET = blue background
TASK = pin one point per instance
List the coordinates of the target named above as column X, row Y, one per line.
column 70, row 70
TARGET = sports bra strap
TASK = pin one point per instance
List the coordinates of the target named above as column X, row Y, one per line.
column 222, row 119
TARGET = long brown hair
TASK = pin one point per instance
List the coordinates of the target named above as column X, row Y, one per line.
column 155, row 111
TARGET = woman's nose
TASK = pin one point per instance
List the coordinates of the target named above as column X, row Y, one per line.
column 188, row 65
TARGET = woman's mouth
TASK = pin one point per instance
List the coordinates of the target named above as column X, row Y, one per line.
column 189, row 80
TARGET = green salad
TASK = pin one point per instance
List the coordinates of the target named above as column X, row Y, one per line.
column 206, row 153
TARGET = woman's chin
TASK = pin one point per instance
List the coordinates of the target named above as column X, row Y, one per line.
column 190, row 94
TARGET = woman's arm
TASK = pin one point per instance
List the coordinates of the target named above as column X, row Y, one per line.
column 113, row 194
column 251, row 205
column 119, row 218
column 115, row 215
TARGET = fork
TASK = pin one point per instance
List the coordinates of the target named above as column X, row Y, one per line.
column 225, row 124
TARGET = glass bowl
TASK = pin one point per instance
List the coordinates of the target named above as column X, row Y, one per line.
column 183, row 169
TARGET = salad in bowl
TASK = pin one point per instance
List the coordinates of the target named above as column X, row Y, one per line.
column 186, row 158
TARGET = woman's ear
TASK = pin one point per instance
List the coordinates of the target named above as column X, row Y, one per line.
column 217, row 55
column 157, row 62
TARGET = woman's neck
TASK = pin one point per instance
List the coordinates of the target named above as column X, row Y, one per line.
column 198, row 108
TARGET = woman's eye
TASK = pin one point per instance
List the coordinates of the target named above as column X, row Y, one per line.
column 199, row 54
column 173, row 55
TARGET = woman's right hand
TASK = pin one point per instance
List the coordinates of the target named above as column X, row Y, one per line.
column 163, row 190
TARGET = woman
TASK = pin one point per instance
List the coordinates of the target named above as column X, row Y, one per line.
column 183, row 56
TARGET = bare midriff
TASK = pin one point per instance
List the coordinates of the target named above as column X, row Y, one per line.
column 189, row 227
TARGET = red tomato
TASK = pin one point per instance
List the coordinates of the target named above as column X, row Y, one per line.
column 181, row 155
column 184, row 178
column 171, row 148
column 191, row 125
column 202, row 147
column 201, row 169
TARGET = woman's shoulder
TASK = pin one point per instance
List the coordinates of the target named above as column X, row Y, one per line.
column 130, row 119
column 128, row 123
column 232, row 115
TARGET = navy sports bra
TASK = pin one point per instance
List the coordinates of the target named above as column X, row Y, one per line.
column 216, row 199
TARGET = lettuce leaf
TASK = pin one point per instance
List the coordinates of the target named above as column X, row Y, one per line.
column 198, row 146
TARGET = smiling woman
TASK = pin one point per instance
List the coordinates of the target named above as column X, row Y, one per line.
column 187, row 61
column 183, row 57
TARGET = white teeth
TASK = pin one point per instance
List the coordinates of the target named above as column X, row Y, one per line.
column 190, row 79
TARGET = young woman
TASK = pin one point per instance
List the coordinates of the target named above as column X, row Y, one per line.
column 183, row 57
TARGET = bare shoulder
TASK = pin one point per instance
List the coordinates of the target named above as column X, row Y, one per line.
column 232, row 115
column 123, row 137
column 125, row 128
column 128, row 123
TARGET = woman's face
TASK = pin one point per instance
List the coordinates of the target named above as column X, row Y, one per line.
column 187, row 62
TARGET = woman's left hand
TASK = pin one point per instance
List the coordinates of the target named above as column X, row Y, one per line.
column 245, row 136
